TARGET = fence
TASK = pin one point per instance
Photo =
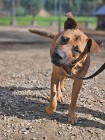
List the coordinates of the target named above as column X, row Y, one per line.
column 46, row 12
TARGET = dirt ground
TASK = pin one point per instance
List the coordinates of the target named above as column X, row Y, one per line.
column 25, row 71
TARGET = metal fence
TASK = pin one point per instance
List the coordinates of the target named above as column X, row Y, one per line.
column 43, row 12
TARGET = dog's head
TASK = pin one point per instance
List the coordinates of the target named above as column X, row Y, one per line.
column 71, row 44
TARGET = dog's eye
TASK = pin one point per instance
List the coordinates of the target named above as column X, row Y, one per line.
column 76, row 50
column 64, row 40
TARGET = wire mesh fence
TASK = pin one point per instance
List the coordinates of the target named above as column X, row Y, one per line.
column 47, row 12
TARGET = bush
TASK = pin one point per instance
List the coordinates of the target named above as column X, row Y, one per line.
column 20, row 11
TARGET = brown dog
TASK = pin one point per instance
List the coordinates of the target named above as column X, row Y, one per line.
column 66, row 48
column 70, row 54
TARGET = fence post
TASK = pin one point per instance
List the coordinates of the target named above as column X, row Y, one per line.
column 59, row 16
column 13, row 19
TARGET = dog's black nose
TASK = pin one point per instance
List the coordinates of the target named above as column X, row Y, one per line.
column 59, row 55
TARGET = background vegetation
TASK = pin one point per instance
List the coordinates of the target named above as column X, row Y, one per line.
column 26, row 12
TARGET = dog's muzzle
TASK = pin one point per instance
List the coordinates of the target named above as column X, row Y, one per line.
column 59, row 58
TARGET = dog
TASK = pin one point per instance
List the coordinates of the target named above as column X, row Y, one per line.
column 67, row 47
column 70, row 55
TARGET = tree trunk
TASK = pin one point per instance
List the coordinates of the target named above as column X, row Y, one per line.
column 33, row 23
column 13, row 20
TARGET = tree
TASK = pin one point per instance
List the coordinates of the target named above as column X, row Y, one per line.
column 7, row 4
column 1, row 4
column 31, row 7
column 10, row 7
column 75, row 6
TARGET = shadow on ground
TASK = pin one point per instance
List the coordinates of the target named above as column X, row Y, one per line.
column 30, row 107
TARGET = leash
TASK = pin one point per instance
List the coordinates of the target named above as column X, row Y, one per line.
column 89, row 77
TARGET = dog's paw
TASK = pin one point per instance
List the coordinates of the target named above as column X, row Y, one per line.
column 50, row 110
column 72, row 118
column 60, row 99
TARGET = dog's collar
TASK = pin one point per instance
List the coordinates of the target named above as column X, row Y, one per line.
column 83, row 78
column 86, row 78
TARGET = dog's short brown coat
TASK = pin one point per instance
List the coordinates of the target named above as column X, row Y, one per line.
column 80, row 68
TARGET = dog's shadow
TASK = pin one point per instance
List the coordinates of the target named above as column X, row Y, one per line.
column 29, row 107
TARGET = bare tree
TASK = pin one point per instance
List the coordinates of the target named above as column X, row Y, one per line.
column 31, row 7
column 10, row 7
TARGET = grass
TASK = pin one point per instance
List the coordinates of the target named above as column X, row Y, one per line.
column 46, row 21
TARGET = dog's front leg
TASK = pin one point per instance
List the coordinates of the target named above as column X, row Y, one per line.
column 59, row 93
column 53, row 97
column 75, row 91
column 62, row 84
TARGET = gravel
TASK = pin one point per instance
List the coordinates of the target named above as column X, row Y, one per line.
column 25, row 71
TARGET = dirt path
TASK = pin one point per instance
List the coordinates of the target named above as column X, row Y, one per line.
column 24, row 94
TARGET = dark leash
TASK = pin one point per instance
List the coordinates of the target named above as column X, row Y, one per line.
column 89, row 77
column 94, row 74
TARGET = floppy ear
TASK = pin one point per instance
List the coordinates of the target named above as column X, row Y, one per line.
column 96, row 46
column 70, row 23
column 88, row 46
column 86, row 50
column 93, row 46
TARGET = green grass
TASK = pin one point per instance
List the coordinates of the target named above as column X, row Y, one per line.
column 46, row 21
column 4, row 21
column 89, row 20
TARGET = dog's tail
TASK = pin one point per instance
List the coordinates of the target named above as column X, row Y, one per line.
column 43, row 33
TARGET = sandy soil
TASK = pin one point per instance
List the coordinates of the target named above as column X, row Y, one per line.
column 25, row 71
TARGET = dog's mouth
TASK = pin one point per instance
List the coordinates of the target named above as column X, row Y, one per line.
column 66, row 66
column 68, row 70
column 63, row 63
column 60, row 63
column 55, row 62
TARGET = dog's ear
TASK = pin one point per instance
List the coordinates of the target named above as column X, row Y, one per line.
column 93, row 46
column 96, row 46
column 70, row 23
column 88, row 45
